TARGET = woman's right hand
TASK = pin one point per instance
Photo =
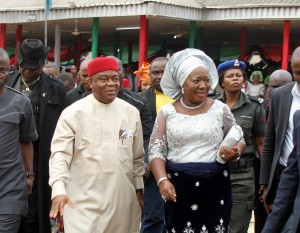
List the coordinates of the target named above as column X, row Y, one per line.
column 167, row 191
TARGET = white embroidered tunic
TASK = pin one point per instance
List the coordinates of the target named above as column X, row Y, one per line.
column 97, row 160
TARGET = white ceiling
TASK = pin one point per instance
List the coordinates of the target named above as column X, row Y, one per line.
column 160, row 29
column 220, row 20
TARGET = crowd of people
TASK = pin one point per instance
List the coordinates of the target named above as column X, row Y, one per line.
column 179, row 145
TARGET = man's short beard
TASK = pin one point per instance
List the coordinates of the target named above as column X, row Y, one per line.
column 158, row 88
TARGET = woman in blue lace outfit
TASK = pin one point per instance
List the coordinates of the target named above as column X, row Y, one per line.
column 185, row 143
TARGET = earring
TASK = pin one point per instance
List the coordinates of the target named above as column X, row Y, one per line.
column 182, row 90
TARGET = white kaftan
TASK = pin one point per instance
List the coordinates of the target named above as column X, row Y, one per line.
column 97, row 160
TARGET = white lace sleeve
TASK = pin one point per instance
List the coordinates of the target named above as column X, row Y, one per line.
column 158, row 139
column 229, row 121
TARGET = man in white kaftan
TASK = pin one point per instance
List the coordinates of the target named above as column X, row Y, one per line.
column 96, row 165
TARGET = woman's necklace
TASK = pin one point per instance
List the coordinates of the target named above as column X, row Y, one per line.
column 189, row 107
column 27, row 86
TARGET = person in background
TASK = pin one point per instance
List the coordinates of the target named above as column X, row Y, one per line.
column 17, row 131
column 153, row 217
column 287, row 200
column 78, row 80
column 256, row 87
column 277, row 79
column 154, row 94
column 51, row 70
column 249, row 114
column 48, row 98
column 74, row 71
column 125, row 84
column 143, row 74
column 96, row 165
column 78, row 92
column 185, row 144
column 67, row 80
column 131, row 77
column 278, row 142
column 267, row 74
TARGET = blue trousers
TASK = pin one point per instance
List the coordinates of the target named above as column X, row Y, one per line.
column 153, row 216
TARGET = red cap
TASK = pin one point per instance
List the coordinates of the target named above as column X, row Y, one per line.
column 125, row 83
column 100, row 64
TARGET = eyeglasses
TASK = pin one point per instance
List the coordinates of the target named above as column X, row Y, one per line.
column 4, row 70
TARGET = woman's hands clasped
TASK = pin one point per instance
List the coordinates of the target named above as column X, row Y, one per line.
column 229, row 155
column 167, row 191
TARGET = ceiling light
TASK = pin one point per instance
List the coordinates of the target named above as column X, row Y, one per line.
column 127, row 28
column 31, row 17
column 72, row 4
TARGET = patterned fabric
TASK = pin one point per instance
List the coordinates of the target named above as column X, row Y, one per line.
column 144, row 72
column 201, row 206
column 184, row 138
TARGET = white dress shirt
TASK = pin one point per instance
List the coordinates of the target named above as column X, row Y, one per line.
column 288, row 143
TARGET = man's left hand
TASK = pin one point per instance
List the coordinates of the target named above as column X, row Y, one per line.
column 30, row 180
column 147, row 172
column 139, row 196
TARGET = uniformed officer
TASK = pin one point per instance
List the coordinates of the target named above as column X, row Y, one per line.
column 249, row 114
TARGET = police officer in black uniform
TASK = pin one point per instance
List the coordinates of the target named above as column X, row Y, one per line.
column 249, row 114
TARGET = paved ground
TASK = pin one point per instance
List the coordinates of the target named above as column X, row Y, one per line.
column 251, row 226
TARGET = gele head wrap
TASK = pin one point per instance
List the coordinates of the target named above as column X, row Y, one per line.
column 144, row 72
column 257, row 73
column 180, row 65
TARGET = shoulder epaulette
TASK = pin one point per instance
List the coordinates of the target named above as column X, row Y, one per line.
column 215, row 95
column 256, row 99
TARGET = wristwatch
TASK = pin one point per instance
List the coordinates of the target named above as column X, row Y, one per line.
column 28, row 174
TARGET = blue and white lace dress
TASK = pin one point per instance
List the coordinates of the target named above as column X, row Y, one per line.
column 189, row 145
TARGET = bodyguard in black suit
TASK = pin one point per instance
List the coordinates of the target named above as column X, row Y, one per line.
column 153, row 216
column 149, row 94
column 288, row 193
column 78, row 92
column 275, row 134
column 48, row 98
column 284, row 102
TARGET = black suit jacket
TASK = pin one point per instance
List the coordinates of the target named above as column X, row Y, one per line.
column 288, row 193
column 149, row 94
column 75, row 94
column 278, row 120
column 52, row 103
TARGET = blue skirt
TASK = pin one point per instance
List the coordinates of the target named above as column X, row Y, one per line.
column 203, row 198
